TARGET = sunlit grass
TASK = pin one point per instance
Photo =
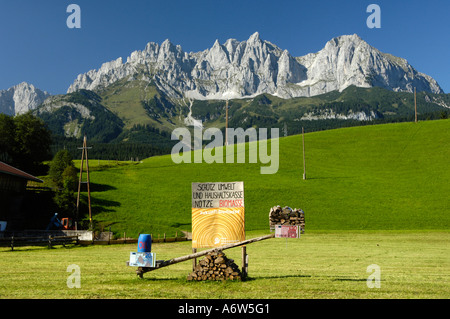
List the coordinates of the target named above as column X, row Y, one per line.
column 318, row 265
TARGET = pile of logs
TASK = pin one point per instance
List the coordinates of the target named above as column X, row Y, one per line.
column 286, row 216
column 215, row 266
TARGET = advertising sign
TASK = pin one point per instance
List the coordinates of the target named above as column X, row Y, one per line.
column 218, row 215
column 142, row 259
column 287, row 231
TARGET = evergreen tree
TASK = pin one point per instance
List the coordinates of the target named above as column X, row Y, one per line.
column 24, row 141
column 58, row 166
column 64, row 176
column 7, row 129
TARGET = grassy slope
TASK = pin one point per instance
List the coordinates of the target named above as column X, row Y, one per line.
column 124, row 99
column 358, row 178
column 380, row 177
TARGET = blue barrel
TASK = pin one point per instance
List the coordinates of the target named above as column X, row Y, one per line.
column 144, row 243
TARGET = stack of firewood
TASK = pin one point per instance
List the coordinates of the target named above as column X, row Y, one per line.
column 215, row 266
column 286, row 216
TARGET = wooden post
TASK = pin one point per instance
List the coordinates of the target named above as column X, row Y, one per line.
column 415, row 105
column 79, row 183
column 194, row 260
column 88, row 182
column 244, row 261
column 226, row 124
column 83, row 153
column 304, row 157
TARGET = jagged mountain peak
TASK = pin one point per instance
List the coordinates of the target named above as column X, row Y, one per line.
column 254, row 38
column 255, row 66
column 347, row 38
column 21, row 98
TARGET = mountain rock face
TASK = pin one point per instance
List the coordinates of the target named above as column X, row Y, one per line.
column 21, row 99
column 239, row 69
column 80, row 112
column 348, row 60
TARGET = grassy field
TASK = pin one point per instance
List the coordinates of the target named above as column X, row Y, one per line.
column 319, row 265
column 383, row 177
column 373, row 195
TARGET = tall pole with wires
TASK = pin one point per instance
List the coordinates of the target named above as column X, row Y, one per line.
column 83, row 154
column 226, row 124
column 415, row 105
column 304, row 157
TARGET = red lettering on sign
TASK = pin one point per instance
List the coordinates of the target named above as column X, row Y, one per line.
column 230, row 203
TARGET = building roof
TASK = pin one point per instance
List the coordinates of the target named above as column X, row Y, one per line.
column 7, row 169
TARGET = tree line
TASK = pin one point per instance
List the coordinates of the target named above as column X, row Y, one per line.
column 123, row 151
column 25, row 142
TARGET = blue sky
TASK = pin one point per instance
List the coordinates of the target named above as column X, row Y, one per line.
column 39, row 48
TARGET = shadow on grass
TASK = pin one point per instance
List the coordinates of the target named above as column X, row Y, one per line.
column 97, row 205
column 277, row 277
column 177, row 225
column 148, row 278
column 349, row 279
column 183, row 280
column 103, row 205
column 330, row 177
column 101, row 187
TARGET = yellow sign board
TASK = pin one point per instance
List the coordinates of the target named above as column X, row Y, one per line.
column 218, row 215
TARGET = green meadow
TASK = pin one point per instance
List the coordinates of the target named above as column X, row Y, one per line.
column 319, row 265
column 374, row 195
column 381, row 177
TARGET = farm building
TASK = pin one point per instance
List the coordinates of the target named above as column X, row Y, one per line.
column 13, row 184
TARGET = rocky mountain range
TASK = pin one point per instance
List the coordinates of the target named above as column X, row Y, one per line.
column 21, row 98
column 162, row 87
column 238, row 69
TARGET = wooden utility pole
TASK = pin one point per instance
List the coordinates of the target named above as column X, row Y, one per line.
column 226, row 124
column 84, row 152
column 304, row 159
column 415, row 105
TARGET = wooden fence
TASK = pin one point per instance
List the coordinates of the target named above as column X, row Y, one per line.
column 125, row 240
column 48, row 241
column 52, row 240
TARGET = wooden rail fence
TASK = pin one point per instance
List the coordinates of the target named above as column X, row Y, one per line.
column 52, row 240
column 48, row 241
